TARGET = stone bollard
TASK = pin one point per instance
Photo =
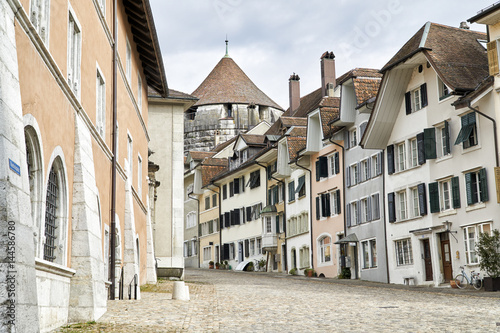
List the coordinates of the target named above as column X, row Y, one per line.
column 181, row 291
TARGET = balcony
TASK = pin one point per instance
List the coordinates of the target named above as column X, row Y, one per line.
column 270, row 242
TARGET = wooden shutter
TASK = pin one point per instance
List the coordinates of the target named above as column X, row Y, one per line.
column 369, row 208
column 338, row 202
column 237, row 217
column 323, row 166
column 249, row 214
column 337, row 168
column 221, row 222
column 199, row 230
column 358, row 207
column 455, row 192
column 231, row 189
column 468, row 188
column 277, row 224
column 376, row 206
column 390, row 159
column 227, row 221
column 346, row 139
column 430, row 143
column 420, row 148
column 434, row 197
column 225, row 252
column 447, row 137
column 422, row 199
column 391, row 207
column 291, row 191
column 328, row 210
column 359, row 179
column 348, row 176
column 483, row 186
column 348, row 214
column 492, row 57
column 236, row 186
column 247, row 247
column 423, row 94
column 317, row 171
column 408, row 102
column 317, row 209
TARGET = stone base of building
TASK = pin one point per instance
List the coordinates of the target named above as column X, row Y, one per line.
column 169, row 272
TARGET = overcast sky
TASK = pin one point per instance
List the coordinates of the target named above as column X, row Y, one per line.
column 270, row 40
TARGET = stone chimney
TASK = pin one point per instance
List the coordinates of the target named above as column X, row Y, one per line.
column 464, row 25
column 327, row 73
column 294, row 92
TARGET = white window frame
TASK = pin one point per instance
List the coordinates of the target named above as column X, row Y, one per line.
column 74, row 53
column 353, row 140
column 128, row 61
column 258, row 243
column 334, row 210
column 402, row 205
column 404, row 252
column 100, row 103
column 40, row 18
column 416, row 100
column 471, row 257
column 191, row 220
column 364, row 210
column 304, row 255
column 332, row 171
column 207, row 253
column 354, row 174
column 354, row 213
column 413, row 153
column 443, row 90
column 445, row 195
column 364, row 170
column 400, row 156
column 415, row 205
column 323, row 248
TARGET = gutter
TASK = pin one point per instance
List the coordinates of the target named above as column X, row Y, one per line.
column 198, row 223
column 112, row 242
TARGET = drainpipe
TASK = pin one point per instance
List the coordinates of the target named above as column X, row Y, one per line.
column 494, row 129
column 112, row 241
column 385, row 224
column 198, row 223
column 310, row 208
column 267, row 203
column 343, row 181
column 218, row 227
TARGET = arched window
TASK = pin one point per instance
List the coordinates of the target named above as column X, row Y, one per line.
column 55, row 226
column 325, row 254
column 35, row 175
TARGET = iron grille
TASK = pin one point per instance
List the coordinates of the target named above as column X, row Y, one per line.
column 50, row 217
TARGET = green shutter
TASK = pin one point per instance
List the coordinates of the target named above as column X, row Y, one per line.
column 199, row 230
column 483, row 186
column 277, row 224
column 468, row 188
column 447, row 137
column 430, row 143
column 434, row 197
column 455, row 192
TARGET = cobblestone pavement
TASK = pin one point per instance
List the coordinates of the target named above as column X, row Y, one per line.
column 225, row 301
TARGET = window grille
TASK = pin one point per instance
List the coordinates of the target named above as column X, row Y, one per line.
column 50, row 217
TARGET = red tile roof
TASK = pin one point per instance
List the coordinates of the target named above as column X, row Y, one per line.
column 227, row 83
column 295, row 144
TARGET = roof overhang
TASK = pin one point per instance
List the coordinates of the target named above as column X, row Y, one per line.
column 489, row 15
column 352, row 238
column 140, row 18
column 268, row 157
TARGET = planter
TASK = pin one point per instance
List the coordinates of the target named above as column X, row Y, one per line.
column 491, row 284
column 453, row 284
column 210, row 266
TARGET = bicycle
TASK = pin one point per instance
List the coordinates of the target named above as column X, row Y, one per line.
column 462, row 280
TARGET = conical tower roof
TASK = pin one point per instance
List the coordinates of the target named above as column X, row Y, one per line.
column 227, row 83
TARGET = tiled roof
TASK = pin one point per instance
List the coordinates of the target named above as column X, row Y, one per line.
column 307, row 104
column 200, row 155
column 455, row 53
column 208, row 172
column 481, row 88
column 223, row 145
column 328, row 115
column 359, row 72
column 365, row 89
column 253, row 139
column 293, row 121
column 295, row 144
column 298, row 131
column 215, row 161
column 227, row 83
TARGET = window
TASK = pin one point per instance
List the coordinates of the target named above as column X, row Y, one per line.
column 211, row 226
column 291, row 191
column 402, row 213
column 325, row 249
column 365, row 170
column 445, row 194
column 128, row 63
column 323, row 207
column 352, row 138
column 416, row 99
column 369, row 248
column 375, row 206
column 102, row 5
column 39, row 17
column 400, row 157
column 468, row 133
column 74, row 54
column 231, row 250
column 321, row 168
column 304, row 257
column 259, row 245
column 335, row 202
column 254, row 179
column 194, row 249
column 414, row 202
column 471, row 236
column 354, row 174
column 476, row 187
column 364, row 210
column 301, row 188
column 207, row 253
column 139, row 92
column 443, row 141
column 269, row 225
column 190, row 220
column 186, row 249
column 207, row 202
column 52, row 197
column 444, row 91
column 130, row 150
column 333, row 164
column 214, row 200
column 376, row 165
column 280, row 192
column 139, row 175
column 404, row 254
column 354, row 212
column 231, row 189
column 413, row 152
column 100, row 104
column 224, row 191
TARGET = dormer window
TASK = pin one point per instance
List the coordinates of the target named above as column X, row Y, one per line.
column 416, row 99
column 444, row 91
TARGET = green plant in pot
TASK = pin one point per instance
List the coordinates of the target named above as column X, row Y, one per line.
column 345, row 273
column 211, row 264
column 217, row 265
column 309, row 272
column 488, row 249
column 293, row 271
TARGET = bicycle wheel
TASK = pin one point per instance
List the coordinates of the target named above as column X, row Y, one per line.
column 477, row 283
column 461, row 281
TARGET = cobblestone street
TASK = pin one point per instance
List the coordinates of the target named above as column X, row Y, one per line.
column 224, row 301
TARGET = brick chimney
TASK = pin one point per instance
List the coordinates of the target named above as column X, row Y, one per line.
column 294, row 92
column 327, row 73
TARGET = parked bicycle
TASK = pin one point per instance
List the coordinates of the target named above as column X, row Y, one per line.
column 462, row 280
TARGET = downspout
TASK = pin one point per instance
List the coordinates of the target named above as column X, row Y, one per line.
column 310, row 209
column 267, row 203
column 494, row 129
column 343, row 183
column 198, row 223
column 385, row 224
column 112, row 244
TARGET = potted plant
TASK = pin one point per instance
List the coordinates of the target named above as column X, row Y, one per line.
column 217, row 265
column 293, row 271
column 345, row 273
column 210, row 264
column 309, row 272
column 488, row 249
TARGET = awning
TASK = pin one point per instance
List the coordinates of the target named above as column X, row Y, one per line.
column 350, row 238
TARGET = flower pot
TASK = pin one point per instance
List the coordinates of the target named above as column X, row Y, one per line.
column 310, row 273
column 453, row 284
column 210, row 266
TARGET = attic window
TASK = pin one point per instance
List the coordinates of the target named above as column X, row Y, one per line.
column 416, row 99
column 190, row 114
column 229, row 110
column 444, row 91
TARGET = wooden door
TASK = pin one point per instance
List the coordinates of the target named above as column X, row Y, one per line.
column 427, row 260
column 446, row 257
